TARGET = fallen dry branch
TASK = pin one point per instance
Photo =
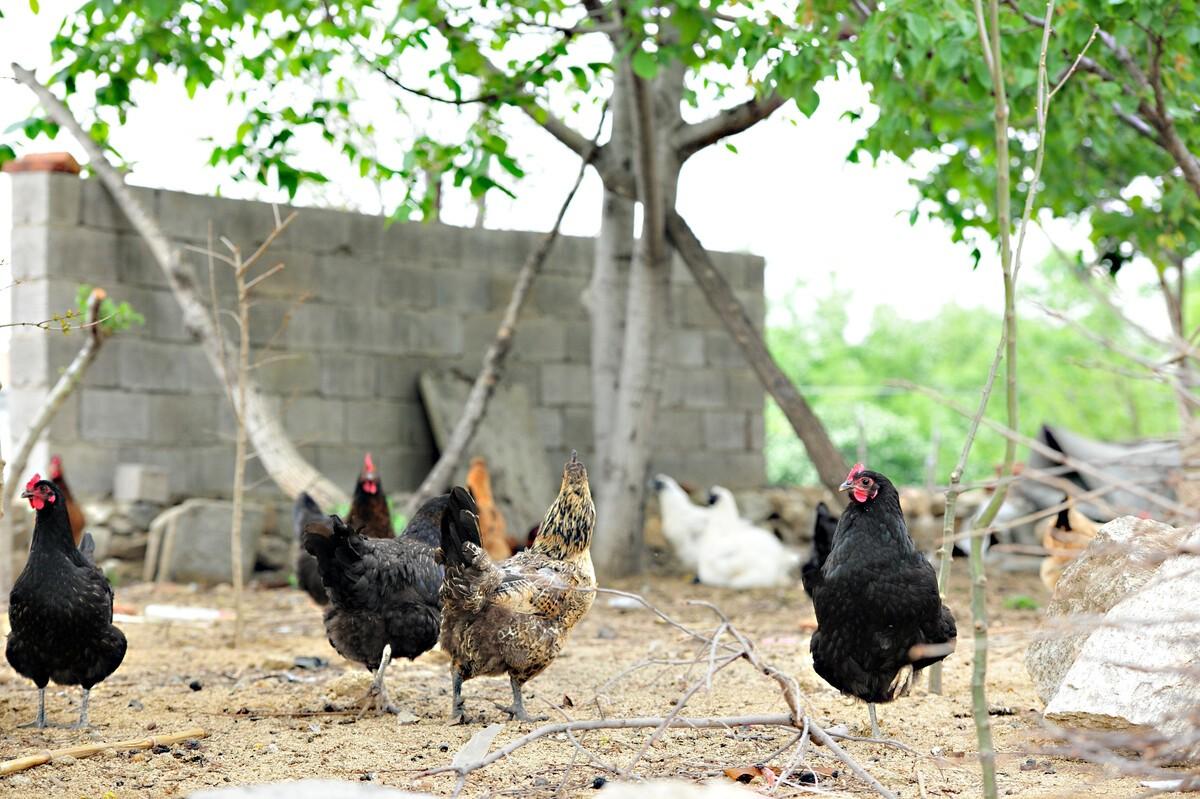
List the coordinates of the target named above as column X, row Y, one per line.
column 87, row 750
column 718, row 654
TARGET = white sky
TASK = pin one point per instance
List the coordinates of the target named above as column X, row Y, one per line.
column 788, row 194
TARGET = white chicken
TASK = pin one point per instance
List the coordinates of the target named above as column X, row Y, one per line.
column 735, row 553
column 683, row 523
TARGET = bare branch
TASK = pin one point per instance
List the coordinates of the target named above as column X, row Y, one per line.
column 690, row 139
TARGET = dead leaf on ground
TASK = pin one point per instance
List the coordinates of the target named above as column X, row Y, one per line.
column 748, row 774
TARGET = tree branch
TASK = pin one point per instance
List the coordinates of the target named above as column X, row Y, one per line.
column 690, row 139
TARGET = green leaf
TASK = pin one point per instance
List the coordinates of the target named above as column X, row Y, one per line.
column 730, row 147
column 645, row 65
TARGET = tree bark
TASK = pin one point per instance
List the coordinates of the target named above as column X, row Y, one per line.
column 613, row 256
column 617, row 545
column 830, row 465
column 278, row 455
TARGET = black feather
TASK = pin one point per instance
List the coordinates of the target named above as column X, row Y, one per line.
column 306, row 511
column 823, row 529
column 60, row 608
column 876, row 598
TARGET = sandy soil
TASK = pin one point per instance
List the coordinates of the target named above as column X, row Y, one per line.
column 267, row 719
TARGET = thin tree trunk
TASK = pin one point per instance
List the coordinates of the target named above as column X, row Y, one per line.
column 239, row 458
column 831, row 466
column 617, row 545
column 613, row 256
column 493, row 361
column 278, row 455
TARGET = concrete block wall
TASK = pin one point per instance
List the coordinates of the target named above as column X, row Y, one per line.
column 383, row 303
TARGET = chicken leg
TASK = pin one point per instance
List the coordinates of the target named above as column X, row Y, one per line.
column 40, row 722
column 83, row 711
column 516, row 711
column 376, row 698
column 458, row 712
column 874, row 722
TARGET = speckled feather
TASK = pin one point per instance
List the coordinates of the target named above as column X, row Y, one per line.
column 875, row 598
column 382, row 591
column 513, row 617
column 60, row 608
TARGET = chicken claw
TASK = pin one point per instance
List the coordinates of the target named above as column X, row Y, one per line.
column 516, row 711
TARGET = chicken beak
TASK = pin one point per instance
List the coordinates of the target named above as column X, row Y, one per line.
column 844, row 486
column 26, row 494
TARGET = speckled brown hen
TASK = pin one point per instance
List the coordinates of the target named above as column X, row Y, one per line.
column 513, row 617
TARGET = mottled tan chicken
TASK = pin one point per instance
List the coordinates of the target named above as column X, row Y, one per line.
column 513, row 617
column 1064, row 536
column 493, row 530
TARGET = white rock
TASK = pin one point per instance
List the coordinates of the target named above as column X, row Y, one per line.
column 675, row 789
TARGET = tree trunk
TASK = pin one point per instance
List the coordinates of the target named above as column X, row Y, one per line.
column 830, row 465
column 617, row 546
column 278, row 455
column 613, row 256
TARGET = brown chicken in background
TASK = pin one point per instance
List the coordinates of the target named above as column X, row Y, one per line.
column 1064, row 536
column 493, row 530
column 513, row 617
column 74, row 512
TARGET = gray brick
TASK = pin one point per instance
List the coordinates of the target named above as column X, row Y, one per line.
column 345, row 375
column 315, row 420
column 313, row 326
column 110, row 415
column 24, row 404
column 419, row 242
column 687, row 348
column 577, row 430
column 89, row 467
column 294, row 375
column 30, row 246
column 29, row 359
column 725, row 431
column 693, row 388
column 721, row 350
column 679, row 429
column 98, row 210
column 136, row 265
column 83, row 254
column 549, row 423
column 579, row 340
column 41, row 299
column 558, row 296
column 435, row 333
column 566, row 384
column 540, row 340
column 299, row 276
column 367, row 234
column 45, row 198
column 105, row 371
column 696, row 311
column 397, row 375
column 460, row 290
column 375, row 421
column 182, row 418
column 756, row 426
column 404, row 286
column 164, row 320
column 341, row 464
column 160, row 366
column 347, row 279
column 745, row 390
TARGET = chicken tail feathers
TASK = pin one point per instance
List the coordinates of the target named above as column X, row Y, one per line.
column 460, row 526
column 305, row 512
column 87, row 548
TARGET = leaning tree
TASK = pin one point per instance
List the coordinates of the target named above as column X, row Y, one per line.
column 677, row 77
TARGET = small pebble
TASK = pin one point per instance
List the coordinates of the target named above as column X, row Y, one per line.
column 66, row 760
column 1029, row 765
column 314, row 728
column 195, row 685
column 368, row 776
column 136, row 704
column 160, row 749
column 599, row 782
column 443, row 747
column 538, row 782
column 20, row 779
column 271, row 749
column 607, row 633
column 152, row 725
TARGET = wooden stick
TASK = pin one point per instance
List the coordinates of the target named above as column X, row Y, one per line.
column 87, row 750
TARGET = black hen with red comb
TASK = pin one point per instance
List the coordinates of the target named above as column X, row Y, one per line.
column 880, row 618
column 60, row 608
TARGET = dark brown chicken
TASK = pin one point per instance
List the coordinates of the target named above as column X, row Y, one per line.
column 60, row 608
column 513, row 617
column 369, row 515
column 74, row 512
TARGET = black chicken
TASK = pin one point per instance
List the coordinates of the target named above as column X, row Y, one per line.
column 369, row 514
column 824, row 527
column 879, row 616
column 385, row 594
column 60, row 608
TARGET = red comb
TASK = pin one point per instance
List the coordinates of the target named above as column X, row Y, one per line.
column 37, row 478
column 854, row 472
column 368, row 464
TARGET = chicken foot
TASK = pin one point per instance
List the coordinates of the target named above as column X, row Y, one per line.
column 516, row 710
column 82, row 724
column 874, row 721
column 40, row 722
column 376, row 699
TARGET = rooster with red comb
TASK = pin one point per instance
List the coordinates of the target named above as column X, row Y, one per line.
column 60, row 608
column 880, row 618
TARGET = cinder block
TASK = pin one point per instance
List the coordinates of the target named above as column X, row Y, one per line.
column 313, row 326
column 687, row 348
column 375, row 421
column 540, row 340
column 182, row 419
column 29, row 359
column 462, row 290
column 694, row 388
column 346, row 375
column 696, row 312
column 566, row 384
column 300, row 276
column 549, row 422
column 45, row 198
column 42, row 299
column 437, row 333
column 315, row 420
column 679, row 429
column 140, row 482
column 722, row 351
column 88, row 467
column 557, row 295
column 397, row 374
column 83, row 254
column 347, row 279
column 419, row 242
column 756, row 426
column 26, row 403
column 579, row 340
column 745, row 390
column 113, row 415
column 162, row 366
column 98, row 210
column 403, row 285
column 29, row 252
column 288, row 373
column 725, row 431
column 578, row 432
column 367, row 232
column 136, row 265
column 191, row 542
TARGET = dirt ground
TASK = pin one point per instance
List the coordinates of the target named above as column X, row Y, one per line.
column 268, row 720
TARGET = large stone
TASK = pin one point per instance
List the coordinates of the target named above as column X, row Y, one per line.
column 1137, row 671
column 507, row 438
column 1121, row 559
column 140, row 482
column 190, row 542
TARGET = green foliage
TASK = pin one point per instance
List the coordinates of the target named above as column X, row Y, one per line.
column 114, row 317
column 1064, row 379
column 298, row 66
column 1020, row 602
column 923, row 61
